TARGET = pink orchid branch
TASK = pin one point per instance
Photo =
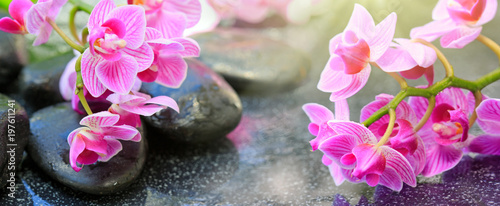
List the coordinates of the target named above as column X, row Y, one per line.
column 490, row 44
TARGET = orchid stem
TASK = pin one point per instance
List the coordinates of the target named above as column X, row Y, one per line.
column 447, row 66
column 390, row 127
column 427, row 115
column 478, row 98
column 72, row 26
column 82, row 6
column 402, row 82
column 490, row 44
column 71, row 43
column 79, row 85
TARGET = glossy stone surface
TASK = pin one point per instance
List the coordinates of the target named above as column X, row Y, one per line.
column 14, row 131
column 209, row 107
column 252, row 62
column 49, row 148
column 39, row 82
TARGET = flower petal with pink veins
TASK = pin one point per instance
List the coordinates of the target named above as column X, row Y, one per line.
column 433, row 30
column 419, row 105
column 486, row 144
column 89, row 77
column 454, row 97
column 342, row 110
column 396, row 60
column 440, row 12
column 441, row 158
column 333, row 77
column 98, row 120
column 10, row 26
column 423, row 55
column 460, row 37
column 369, row 160
column 121, row 99
column 358, row 82
column 169, row 24
column 135, row 20
column 122, row 132
column 116, row 26
column 99, row 13
column 488, row 114
column 77, row 146
column 488, row 13
column 172, row 70
column 361, row 22
column 93, row 142
column 143, row 55
column 354, row 52
column 113, row 147
column 383, row 34
column 406, row 138
column 164, row 101
column 362, row 134
column 148, row 75
column 338, row 146
column 191, row 47
column 336, row 173
column 317, row 113
column 190, row 8
column 400, row 164
column 118, row 76
column 391, row 179
column 67, row 82
column 152, row 34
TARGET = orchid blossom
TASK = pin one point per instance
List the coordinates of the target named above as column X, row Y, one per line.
column 446, row 131
column 99, row 140
column 168, row 68
column 457, row 22
column 38, row 17
column 130, row 106
column 18, row 10
column 170, row 17
column 362, row 42
column 117, row 48
column 488, row 119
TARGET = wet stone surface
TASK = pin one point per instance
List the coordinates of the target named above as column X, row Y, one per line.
column 251, row 62
column 48, row 147
column 14, row 131
column 209, row 107
column 39, row 82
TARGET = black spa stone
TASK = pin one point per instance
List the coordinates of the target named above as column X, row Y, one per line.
column 39, row 82
column 209, row 107
column 14, row 132
column 12, row 55
column 251, row 62
column 49, row 149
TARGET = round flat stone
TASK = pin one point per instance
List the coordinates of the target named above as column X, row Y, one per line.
column 251, row 62
column 49, row 148
column 209, row 107
column 14, row 132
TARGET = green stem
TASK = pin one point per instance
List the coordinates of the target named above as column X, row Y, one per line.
column 427, row 115
column 72, row 27
column 402, row 82
column 390, row 126
column 85, row 33
column 79, row 85
column 71, row 43
column 82, row 6
column 490, row 44
column 478, row 98
column 447, row 66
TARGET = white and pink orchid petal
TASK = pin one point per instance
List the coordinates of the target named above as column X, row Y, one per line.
column 347, row 173
column 361, row 22
column 121, row 99
column 135, row 20
column 440, row 11
column 94, row 142
column 433, row 30
column 10, row 26
column 87, row 157
column 323, row 131
column 144, row 110
column 488, row 114
column 114, row 146
column 460, row 37
column 418, row 158
column 67, row 82
column 43, row 34
column 89, row 77
column 318, row 113
column 354, row 52
column 143, row 55
column 74, row 133
column 118, row 76
column 342, row 110
column 55, row 8
column 136, row 138
column 99, row 13
column 77, row 146
column 116, row 26
column 358, row 82
column 486, row 144
column 405, row 140
column 429, row 75
column 122, row 132
column 419, row 105
column 383, row 34
column 441, row 158
column 489, row 12
column 362, row 134
column 333, row 77
column 169, row 24
column 152, row 34
column 423, row 55
column 251, row 13
column 172, row 70
column 336, row 173
column 148, row 75
column 126, row 118
column 209, row 19
column 190, row 8
column 400, row 164
column 454, row 97
column 18, row 9
column 191, row 47
column 462, row 13
column 338, row 146
column 164, row 101
column 98, row 120
column 370, row 163
column 391, row 179
column 35, row 17
column 396, row 60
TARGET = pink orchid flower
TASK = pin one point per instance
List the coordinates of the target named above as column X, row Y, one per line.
column 170, row 17
column 130, row 106
column 168, row 68
column 355, row 151
column 446, row 131
column 412, row 60
column 362, row 42
column 37, row 19
column 98, row 141
column 403, row 138
column 18, row 10
column 488, row 119
column 117, row 49
column 457, row 22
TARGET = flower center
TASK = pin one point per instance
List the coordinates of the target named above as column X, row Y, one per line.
column 355, row 53
column 448, row 130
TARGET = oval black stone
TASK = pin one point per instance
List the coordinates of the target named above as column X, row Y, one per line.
column 251, row 62
column 209, row 107
column 49, row 148
column 14, row 132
